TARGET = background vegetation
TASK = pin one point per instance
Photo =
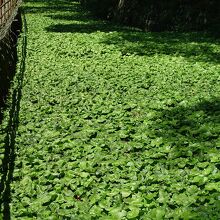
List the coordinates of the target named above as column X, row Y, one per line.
column 158, row 15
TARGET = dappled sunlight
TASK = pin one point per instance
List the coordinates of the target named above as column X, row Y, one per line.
column 193, row 46
column 201, row 47
column 115, row 123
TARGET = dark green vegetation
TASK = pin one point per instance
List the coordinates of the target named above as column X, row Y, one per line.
column 116, row 123
column 8, row 59
column 160, row 15
column 10, row 120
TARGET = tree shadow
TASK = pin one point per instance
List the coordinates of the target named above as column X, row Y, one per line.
column 62, row 10
column 83, row 28
column 187, row 139
column 194, row 46
column 72, row 17
column 51, row 6
column 195, row 128
column 8, row 155
column 45, row 9
column 8, row 161
column 209, row 212
column 8, row 61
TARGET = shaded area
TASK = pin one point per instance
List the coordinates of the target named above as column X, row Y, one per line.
column 185, row 139
column 52, row 6
column 8, row 161
column 44, row 9
column 72, row 17
column 8, row 60
column 192, row 130
column 159, row 15
column 195, row 46
column 83, row 28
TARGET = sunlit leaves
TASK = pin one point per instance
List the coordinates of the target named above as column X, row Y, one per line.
column 109, row 135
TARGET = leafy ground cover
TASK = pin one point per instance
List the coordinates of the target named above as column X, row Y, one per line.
column 115, row 123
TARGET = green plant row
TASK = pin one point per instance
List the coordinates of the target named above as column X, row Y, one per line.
column 115, row 123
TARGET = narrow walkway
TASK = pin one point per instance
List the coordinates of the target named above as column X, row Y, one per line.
column 108, row 121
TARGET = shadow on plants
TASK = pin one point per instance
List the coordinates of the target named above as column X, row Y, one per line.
column 209, row 212
column 53, row 2
column 51, row 6
column 74, row 13
column 194, row 46
column 52, row 9
column 8, row 160
column 84, row 28
column 193, row 130
column 72, row 17
column 9, row 155
column 189, row 136
column 187, row 45
column 8, row 61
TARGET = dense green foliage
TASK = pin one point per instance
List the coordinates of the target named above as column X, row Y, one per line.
column 159, row 15
column 8, row 58
column 116, row 123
